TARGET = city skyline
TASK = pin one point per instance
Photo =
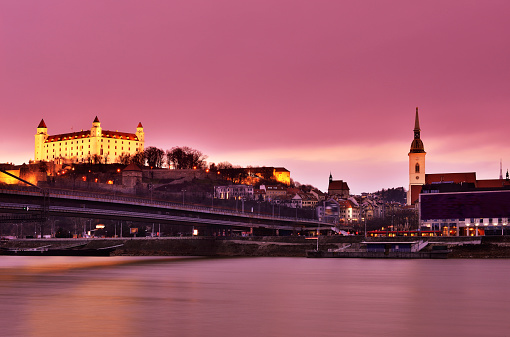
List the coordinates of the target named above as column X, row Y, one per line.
column 314, row 87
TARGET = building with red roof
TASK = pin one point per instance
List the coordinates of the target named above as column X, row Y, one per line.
column 88, row 145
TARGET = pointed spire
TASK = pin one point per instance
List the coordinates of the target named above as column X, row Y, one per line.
column 417, row 121
column 330, row 177
column 96, row 120
column 42, row 124
column 139, row 125
column 417, row 144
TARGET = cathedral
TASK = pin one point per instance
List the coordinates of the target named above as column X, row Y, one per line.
column 86, row 145
column 418, row 179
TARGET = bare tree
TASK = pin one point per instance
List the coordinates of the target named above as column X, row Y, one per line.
column 96, row 159
column 138, row 158
column 154, row 156
column 124, row 159
column 185, row 158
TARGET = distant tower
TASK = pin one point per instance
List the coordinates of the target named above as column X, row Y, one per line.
column 40, row 138
column 501, row 169
column 140, row 135
column 96, row 133
column 416, row 163
column 330, row 177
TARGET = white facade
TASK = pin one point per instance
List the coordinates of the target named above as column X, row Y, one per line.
column 84, row 145
column 233, row 192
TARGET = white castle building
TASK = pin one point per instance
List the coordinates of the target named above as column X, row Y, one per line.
column 85, row 145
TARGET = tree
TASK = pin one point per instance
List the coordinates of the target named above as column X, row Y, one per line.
column 185, row 158
column 154, row 156
column 43, row 166
column 96, row 159
column 224, row 165
column 138, row 158
column 124, row 159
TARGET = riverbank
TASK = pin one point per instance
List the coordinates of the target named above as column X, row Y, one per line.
column 290, row 246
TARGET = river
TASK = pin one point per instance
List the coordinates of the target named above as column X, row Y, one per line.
column 161, row 296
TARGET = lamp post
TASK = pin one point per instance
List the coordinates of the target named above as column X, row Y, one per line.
column 212, row 197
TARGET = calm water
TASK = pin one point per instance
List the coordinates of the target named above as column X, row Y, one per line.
column 131, row 296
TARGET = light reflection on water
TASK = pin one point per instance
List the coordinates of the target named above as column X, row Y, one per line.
column 139, row 296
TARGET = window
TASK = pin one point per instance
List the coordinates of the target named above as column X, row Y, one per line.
column 417, row 168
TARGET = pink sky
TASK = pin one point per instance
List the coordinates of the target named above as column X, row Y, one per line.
column 314, row 86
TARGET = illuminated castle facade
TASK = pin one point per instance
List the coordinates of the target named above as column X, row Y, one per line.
column 89, row 145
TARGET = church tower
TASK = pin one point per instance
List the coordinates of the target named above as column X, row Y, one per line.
column 40, row 138
column 416, row 164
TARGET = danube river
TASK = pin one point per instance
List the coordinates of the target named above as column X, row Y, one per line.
column 158, row 296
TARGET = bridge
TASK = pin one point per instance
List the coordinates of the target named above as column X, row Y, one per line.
column 32, row 204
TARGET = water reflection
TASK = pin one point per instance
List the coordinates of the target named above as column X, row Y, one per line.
column 131, row 296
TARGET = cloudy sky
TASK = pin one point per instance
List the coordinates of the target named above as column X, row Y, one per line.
column 314, row 86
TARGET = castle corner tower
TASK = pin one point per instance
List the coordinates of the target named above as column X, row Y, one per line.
column 416, row 164
column 40, row 138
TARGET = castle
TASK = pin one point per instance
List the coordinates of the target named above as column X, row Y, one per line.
column 93, row 144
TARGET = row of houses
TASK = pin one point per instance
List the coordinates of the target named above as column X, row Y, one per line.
column 335, row 207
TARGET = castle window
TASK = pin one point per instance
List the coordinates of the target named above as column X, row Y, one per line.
column 417, row 168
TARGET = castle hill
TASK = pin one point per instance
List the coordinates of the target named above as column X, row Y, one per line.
column 98, row 185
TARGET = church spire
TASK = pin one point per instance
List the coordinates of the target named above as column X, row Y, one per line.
column 417, row 144
column 417, row 122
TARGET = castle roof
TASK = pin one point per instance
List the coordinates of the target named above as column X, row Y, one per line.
column 42, row 124
column 86, row 134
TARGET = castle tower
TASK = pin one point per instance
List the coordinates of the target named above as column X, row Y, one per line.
column 416, row 164
column 96, row 133
column 40, row 138
column 140, row 135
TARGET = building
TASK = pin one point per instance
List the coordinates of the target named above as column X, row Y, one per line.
column 348, row 211
column 456, row 204
column 274, row 192
column 416, row 164
column 90, row 145
column 279, row 174
column 338, row 188
column 329, row 212
column 464, row 210
column 418, row 178
column 234, row 192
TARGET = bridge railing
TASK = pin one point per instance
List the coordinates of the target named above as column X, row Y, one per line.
column 105, row 197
